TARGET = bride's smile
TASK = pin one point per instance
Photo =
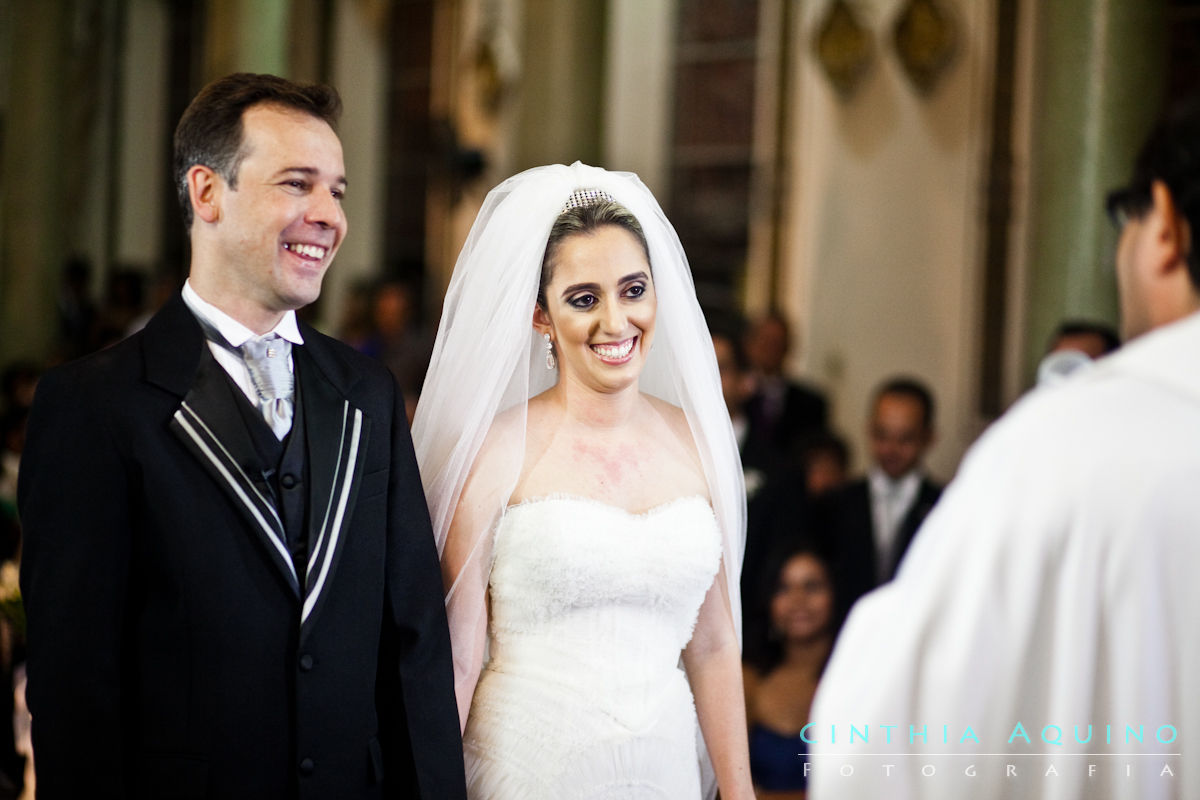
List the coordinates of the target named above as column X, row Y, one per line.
column 617, row 353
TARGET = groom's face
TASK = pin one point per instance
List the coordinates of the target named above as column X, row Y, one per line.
column 281, row 222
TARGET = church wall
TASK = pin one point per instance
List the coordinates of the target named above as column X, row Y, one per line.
column 143, row 143
column 638, row 90
column 885, row 224
column 358, row 70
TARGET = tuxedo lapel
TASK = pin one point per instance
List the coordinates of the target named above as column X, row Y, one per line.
column 211, row 426
column 177, row 359
column 336, row 432
column 927, row 496
column 863, row 523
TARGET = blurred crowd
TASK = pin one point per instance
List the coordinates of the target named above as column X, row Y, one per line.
column 819, row 537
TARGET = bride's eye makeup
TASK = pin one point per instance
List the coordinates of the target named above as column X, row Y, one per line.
column 583, row 301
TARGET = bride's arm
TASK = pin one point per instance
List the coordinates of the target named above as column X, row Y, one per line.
column 465, row 583
column 467, row 558
column 713, row 663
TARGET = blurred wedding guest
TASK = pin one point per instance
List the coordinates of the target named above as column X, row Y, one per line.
column 776, row 491
column 162, row 286
column 1092, row 338
column 124, row 302
column 583, row 477
column 782, row 410
column 737, row 384
column 18, row 383
column 1075, row 344
column 228, row 572
column 354, row 318
column 13, row 771
column 1055, row 584
column 784, row 662
column 873, row 519
column 781, row 511
column 397, row 339
column 12, row 443
column 825, row 459
column 76, row 309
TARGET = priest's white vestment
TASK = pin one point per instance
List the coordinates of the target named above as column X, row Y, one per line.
column 1056, row 586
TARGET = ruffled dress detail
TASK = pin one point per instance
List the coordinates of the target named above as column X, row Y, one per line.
column 583, row 695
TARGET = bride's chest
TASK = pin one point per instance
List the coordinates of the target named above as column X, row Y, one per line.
column 559, row 553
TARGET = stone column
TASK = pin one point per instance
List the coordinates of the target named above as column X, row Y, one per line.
column 1100, row 68
column 33, row 239
column 561, row 85
column 247, row 36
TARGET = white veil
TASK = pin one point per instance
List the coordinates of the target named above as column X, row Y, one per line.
column 488, row 361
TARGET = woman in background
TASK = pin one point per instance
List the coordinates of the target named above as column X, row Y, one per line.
column 782, row 671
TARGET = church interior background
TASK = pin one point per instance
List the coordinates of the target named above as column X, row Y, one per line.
column 917, row 184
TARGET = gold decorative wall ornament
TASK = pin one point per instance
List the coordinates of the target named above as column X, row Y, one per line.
column 843, row 48
column 926, row 38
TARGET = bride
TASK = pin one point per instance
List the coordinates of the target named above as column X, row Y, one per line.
column 587, row 499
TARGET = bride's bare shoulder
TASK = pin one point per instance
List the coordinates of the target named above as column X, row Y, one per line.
column 516, row 430
column 675, row 420
column 677, row 445
column 506, row 431
column 494, row 465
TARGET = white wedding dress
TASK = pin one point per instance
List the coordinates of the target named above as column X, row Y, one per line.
column 583, row 696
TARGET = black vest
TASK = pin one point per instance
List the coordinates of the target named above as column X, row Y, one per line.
column 281, row 472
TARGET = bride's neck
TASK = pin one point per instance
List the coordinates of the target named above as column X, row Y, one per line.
column 586, row 406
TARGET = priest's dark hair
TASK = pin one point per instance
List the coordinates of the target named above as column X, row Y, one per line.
column 1171, row 154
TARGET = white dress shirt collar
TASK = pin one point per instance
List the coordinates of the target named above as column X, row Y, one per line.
column 236, row 333
column 904, row 487
column 891, row 500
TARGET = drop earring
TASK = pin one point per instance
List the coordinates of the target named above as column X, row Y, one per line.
column 550, row 362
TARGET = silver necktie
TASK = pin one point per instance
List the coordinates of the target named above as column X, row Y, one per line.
column 266, row 358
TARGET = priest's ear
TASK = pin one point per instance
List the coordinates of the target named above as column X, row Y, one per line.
column 205, row 187
column 1172, row 233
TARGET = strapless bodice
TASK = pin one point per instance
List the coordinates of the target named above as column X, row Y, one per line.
column 577, row 583
column 590, row 608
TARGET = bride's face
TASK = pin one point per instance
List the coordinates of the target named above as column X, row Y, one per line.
column 600, row 309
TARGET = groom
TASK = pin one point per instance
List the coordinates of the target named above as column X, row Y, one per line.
column 230, row 578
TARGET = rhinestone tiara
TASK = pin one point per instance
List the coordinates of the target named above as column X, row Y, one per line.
column 582, row 198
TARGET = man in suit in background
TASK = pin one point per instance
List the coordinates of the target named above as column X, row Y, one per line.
column 782, row 412
column 1075, row 343
column 230, row 577
column 870, row 522
column 1093, row 339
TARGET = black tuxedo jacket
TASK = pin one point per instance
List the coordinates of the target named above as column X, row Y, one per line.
column 847, row 524
column 173, row 651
